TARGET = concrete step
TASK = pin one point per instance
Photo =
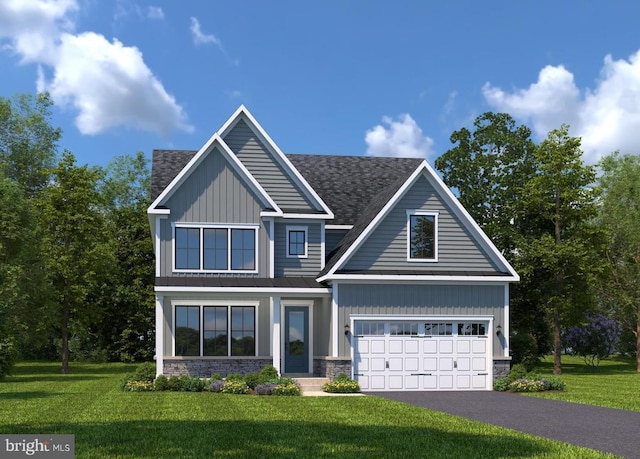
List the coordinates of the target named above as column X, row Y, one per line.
column 311, row 384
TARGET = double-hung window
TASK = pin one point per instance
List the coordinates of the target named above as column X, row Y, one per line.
column 422, row 235
column 297, row 242
column 215, row 248
column 219, row 330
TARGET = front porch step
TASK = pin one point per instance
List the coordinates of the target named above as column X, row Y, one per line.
column 311, row 384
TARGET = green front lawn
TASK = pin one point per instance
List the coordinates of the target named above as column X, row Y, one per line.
column 110, row 423
column 614, row 384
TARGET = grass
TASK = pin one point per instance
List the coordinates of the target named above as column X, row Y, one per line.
column 614, row 384
column 109, row 423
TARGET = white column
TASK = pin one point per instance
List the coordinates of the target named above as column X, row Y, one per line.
column 334, row 320
column 275, row 332
column 505, row 326
column 159, row 334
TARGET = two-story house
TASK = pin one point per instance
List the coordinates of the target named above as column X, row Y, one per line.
column 320, row 265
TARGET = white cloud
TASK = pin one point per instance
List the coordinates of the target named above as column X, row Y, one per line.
column 401, row 138
column 199, row 37
column 155, row 12
column 33, row 27
column 607, row 117
column 108, row 83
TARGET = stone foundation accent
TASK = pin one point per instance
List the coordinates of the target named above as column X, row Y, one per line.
column 205, row 368
column 501, row 368
column 330, row 367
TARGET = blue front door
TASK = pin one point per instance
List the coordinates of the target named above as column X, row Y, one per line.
column 296, row 339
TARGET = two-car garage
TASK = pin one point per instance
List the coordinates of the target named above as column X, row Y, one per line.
column 426, row 353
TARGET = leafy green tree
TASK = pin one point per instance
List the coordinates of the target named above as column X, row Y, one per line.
column 565, row 257
column 75, row 245
column 620, row 213
column 126, row 328
column 28, row 141
column 487, row 167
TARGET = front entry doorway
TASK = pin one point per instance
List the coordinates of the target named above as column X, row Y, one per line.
column 296, row 339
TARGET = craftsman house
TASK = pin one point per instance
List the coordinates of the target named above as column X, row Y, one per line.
column 320, row 265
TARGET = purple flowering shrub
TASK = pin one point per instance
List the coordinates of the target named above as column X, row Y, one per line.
column 216, row 386
column 594, row 341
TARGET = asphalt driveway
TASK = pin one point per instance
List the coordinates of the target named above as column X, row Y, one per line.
column 604, row 429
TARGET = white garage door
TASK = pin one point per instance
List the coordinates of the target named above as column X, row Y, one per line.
column 420, row 355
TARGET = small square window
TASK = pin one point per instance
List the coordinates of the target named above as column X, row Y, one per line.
column 297, row 242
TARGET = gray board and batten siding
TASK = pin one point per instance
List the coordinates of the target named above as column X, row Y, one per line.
column 267, row 171
column 420, row 300
column 292, row 266
column 214, row 193
column 386, row 246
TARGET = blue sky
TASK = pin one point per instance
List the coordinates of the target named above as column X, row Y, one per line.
column 333, row 77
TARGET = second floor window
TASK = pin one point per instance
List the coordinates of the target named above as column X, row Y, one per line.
column 422, row 229
column 215, row 249
column 296, row 241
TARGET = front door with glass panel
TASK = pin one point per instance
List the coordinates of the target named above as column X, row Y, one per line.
column 296, row 339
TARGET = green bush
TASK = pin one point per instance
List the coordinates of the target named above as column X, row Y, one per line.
column 501, row 385
column 342, row 384
column 266, row 374
column 234, row 387
column 194, row 384
column 125, row 380
column 234, row 377
column 216, row 377
column 287, row 388
column 138, row 386
column 525, row 350
column 7, row 356
column 526, row 385
column 146, row 372
column 162, row 383
column 269, row 371
column 518, row 371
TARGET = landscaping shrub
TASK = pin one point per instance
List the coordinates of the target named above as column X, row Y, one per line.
column 234, row 377
column 194, row 384
column 342, row 384
column 138, row 386
column 266, row 374
column 265, row 389
column 518, row 371
column 525, row 350
column 526, row 385
column 501, row 385
column 145, row 372
column 216, row 377
column 286, row 388
column 162, row 383
column 234, row 386
column 216, row 385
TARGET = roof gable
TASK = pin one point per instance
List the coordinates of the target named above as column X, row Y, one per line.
column 241, row 118
column 215, row 142
column 381, row 206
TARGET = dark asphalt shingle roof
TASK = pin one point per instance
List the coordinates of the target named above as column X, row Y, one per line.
column 347, row 184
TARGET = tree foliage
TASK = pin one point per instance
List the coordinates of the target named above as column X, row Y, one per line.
column 565, row 255
column 76, row 245
column 28, row 142
column 620, row 214
column 593, row 341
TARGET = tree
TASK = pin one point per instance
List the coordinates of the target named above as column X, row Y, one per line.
column 126, row 328
column 28, row 142
column 620, row 214
column 72, row 229
column 566, row 255
column 594, row 341
column 487, row 167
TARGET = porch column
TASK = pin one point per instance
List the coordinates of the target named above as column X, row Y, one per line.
column 275, row 332
column 159, row 334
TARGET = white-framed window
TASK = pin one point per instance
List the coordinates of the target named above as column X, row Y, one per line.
column 215, row 329
column 297, row 242
column 422, row 235
column 215, row 248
